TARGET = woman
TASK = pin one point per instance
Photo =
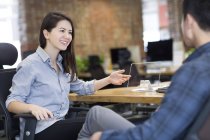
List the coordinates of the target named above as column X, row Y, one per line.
column 44, row 79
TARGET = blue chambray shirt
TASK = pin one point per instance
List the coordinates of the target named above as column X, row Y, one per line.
column 189, row 90
column 36, row 82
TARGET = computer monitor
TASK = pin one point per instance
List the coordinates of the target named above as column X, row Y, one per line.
column 160, row 51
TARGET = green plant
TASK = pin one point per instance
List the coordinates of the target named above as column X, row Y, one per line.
column 82, row 64
column 101, row 59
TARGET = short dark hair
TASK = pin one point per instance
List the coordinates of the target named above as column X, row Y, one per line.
column 200, row 10
column 49, row 22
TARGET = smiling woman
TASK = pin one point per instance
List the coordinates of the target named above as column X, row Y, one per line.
column 44, row 79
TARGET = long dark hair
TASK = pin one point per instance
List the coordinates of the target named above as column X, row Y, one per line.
column 200, row 10
column 49, row 22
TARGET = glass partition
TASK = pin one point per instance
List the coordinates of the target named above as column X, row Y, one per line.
column 146, row 76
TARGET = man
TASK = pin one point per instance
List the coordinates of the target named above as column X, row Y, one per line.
column 189, row 89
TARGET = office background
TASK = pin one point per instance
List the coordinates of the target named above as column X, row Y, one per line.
column 100, row 24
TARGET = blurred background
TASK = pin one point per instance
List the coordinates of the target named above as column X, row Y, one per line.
column 148, row 29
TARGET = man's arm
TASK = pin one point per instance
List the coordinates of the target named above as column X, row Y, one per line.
column 182, row 102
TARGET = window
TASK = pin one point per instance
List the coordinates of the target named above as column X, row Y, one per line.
column 155, row 21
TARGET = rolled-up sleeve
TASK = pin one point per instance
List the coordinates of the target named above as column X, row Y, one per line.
column 21, row 84
column 81, row 87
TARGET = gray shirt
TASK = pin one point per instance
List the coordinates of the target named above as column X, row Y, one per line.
column 36, row 82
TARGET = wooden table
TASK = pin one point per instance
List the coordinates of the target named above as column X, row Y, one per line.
column 119, row 95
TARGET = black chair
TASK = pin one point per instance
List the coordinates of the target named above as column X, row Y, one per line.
column 96, row 70
column 6, row 50
column 8, row 54
column 126, row 64
column 11, row 121
column 201, row 126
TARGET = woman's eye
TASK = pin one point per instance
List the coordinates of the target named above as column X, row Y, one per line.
column 70, row 33
column 62, row 31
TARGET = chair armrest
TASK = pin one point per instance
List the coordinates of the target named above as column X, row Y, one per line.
column 24, row 115
column 148, row 108
column 78, row 109
column 77, row 112
column 30, row 125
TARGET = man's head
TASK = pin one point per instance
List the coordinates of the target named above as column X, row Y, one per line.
column 196, row 21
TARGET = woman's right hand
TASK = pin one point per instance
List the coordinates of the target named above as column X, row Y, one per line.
column 39, row 112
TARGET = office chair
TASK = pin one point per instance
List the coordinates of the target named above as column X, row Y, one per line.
column 96, row 70
column 6, row 49
column 11, row 121
column 201, row 126
column 125, row 63
column 8, row 56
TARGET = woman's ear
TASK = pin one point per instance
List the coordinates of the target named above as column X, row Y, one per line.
column 46, row 33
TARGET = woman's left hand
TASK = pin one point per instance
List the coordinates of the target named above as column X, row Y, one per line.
column 118, row 78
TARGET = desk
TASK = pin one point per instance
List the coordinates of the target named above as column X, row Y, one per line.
column 119, row 95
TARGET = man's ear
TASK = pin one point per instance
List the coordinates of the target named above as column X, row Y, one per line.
column 46, row 33
column 189, row 25
column 189, row 21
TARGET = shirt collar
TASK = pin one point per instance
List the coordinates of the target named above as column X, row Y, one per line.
column 42, row 54
column 198, row 52
column 45, row 57
column 60, row 58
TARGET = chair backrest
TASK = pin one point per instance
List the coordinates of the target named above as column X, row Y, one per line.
column 95, row 68
column 97, row 72
column 8, row 54
column 201, row 127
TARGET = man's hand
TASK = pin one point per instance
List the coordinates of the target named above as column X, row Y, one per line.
column 96, row 136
